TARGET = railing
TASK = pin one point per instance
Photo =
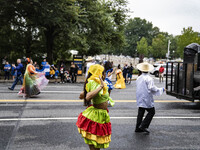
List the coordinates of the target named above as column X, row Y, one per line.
column 179, row 80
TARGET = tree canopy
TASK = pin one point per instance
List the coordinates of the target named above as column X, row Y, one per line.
column 188, row 36
column 142, row 47
column 52, row 28
column 38, row 28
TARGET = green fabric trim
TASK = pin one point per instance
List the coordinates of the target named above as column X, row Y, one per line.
column 96, row 115
column 112, row 103
column 96, row 145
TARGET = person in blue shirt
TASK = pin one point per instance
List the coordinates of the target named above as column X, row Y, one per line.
column 47, row 70
column 13, row 72
column 7, row 69
column 43, row 64
column 19, row 71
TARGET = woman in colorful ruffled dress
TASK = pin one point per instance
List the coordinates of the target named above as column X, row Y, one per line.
column 120, row 84
column 94, row 123
column 34, row 81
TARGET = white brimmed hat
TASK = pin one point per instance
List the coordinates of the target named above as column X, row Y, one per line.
column 89, row 58
column 145, row 67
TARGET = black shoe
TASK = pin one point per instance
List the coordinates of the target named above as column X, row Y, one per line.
column 37, row 93
column 138, row 130
column 145, row 130
column 10, row 89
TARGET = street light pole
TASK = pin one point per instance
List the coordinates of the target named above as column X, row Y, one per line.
column 168, row 51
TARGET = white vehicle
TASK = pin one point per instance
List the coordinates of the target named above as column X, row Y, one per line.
column 157, row 67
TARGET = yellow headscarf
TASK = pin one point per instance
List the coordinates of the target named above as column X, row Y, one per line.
column 96, row 71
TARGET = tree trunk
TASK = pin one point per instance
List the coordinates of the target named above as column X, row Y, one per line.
column 49, row 35
column 141, row 57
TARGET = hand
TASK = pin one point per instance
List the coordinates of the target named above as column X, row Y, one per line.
column 81, row 96
column 102, row 82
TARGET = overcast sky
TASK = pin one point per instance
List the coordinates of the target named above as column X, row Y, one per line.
column 169, row 15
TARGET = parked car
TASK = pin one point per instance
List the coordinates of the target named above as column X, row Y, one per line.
column 157, row 67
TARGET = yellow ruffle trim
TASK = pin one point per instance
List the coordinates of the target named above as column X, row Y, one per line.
column 98, row 139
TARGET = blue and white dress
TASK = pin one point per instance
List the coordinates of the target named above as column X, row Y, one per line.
column 108, row 80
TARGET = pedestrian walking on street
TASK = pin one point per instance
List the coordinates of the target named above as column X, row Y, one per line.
column 7, row 69
column 161, row 73
column 94, row 123
column 130, row 72
column 145, row 89
column 120, row 84
column 125, row 72
column 62, row 72
column 19, row 74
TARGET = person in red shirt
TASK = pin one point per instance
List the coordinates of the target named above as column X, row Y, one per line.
column 161, row 73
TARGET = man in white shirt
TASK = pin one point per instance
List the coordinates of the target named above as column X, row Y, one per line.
column 90, row 62
column 145, row 89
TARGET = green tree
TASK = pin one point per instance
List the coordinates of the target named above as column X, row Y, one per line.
column 159, row 46
column 136, row 29
column 103, row 25
column 188, row 36
column 142, row 47
column 55, row 27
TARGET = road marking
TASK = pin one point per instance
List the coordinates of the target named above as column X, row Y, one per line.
column 117, row 101
column 75, row 118
column 71, row 92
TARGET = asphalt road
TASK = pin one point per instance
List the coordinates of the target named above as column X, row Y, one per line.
column 47, row 122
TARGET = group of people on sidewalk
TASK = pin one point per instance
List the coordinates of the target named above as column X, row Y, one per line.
column 94, row 123
column 9, row 70
column 50, row 71
column 128, row 72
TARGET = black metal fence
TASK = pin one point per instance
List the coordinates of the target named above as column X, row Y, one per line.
column 180, row 80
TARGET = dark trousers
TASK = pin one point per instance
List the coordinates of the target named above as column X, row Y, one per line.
column 147, row 120
column 17, row 79
column 62, row 77
column 7, row 75
column 73, row 77
column 125, row 77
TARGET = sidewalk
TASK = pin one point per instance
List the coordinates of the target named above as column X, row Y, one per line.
column 80, row 79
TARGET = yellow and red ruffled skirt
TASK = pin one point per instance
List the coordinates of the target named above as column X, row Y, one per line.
column 95, row 127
